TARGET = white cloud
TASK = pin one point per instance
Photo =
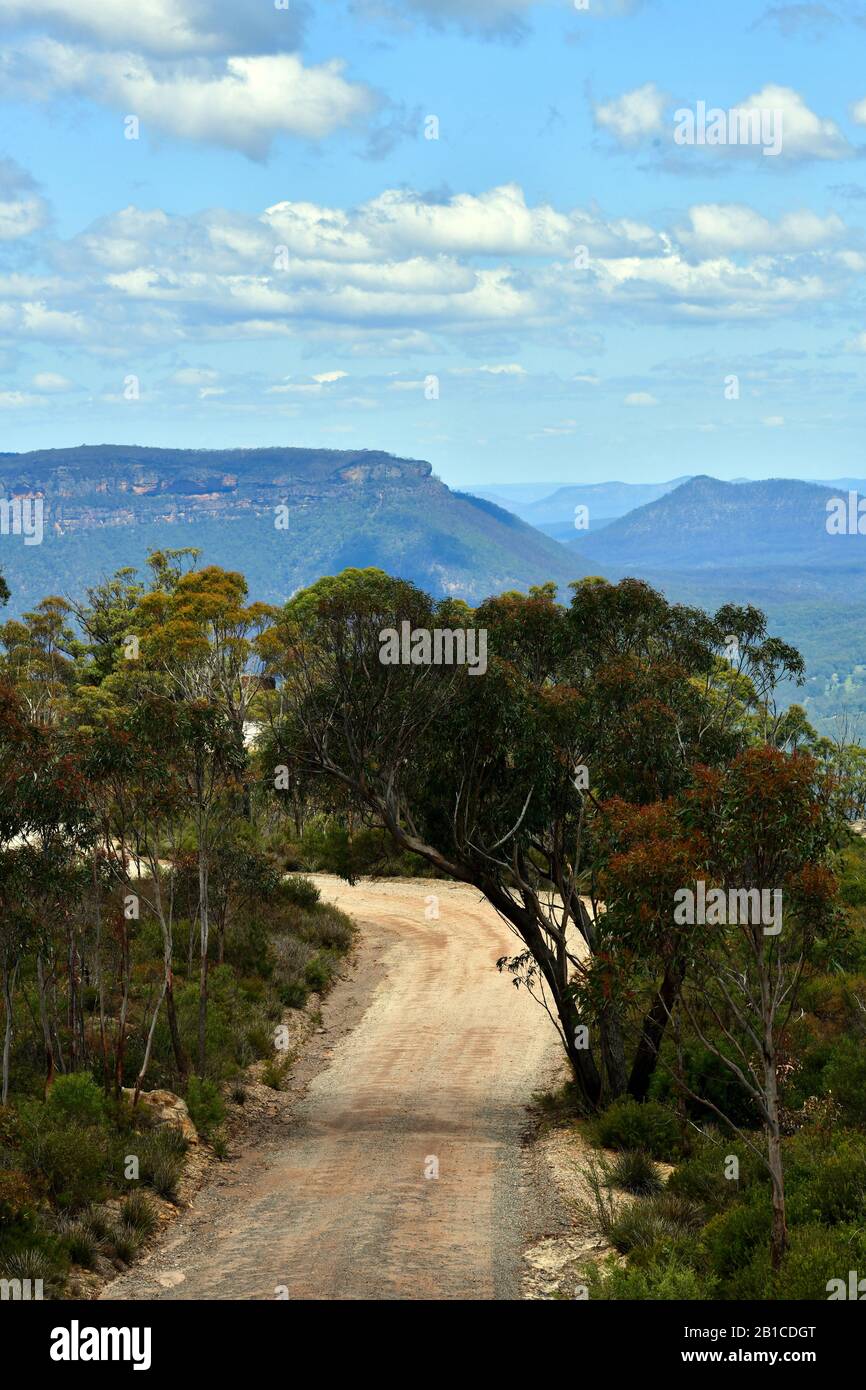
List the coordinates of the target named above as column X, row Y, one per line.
column 635, row 116
column 52, row 381
column 404, row 284
column 642, row 115
column 731, row 227
column 242, row 103
column 22, row 208
column 497, row 222
column 163, row 27
column 640, row 398
column 805, row 135
column 773, row 422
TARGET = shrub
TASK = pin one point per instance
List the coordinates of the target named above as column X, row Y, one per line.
column 844, row 1079
column 731, row 1237
column 138, row 1215
column 160, row 1155
column 626, row 1124
column 300, row 891
column 701, row 1176
column 77, row 1098
column 274, row 1073
column 294, row 995
column 77, row 1238
column 219, row 1144
column 328, row 928
column 71, row 1159
column 663, row 1280
column 706, row 1076
column 165, row 1175
column 125, row 1242
column 634, row 1171
column 317, row 975
column 650, row 1220
column 817, row 1254
column 32, row 1262
column 205, row 1104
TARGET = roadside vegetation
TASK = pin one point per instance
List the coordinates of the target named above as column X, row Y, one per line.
column 150, row 938
column 174, row 760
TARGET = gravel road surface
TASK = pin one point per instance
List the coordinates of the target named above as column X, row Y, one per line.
column 428, row 1059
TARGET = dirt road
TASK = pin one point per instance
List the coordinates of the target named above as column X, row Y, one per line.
column 426, row 1065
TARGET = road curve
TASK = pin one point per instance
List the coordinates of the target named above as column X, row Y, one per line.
column 438, row 1057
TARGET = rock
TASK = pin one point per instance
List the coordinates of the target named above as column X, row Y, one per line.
column 166, row 1109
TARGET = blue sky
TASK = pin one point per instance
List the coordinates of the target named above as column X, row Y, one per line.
column 282, row 256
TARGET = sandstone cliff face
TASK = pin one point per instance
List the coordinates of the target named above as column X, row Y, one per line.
column 106, row 485
column 281, row 517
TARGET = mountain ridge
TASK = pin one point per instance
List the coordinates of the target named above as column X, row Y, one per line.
column 106, row 505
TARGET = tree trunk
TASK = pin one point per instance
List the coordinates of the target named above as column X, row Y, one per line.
column 653, row 1031
column 139, row 1080
column 180, row 1056
column 46, row 1029
column 779, row 1235
column 202, row 980
column 613, row 1054
column 8, row 990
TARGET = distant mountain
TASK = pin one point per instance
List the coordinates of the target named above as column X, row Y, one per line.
column 105, row 506
column 513, row 495
column 762, row 543
column 554, row 512
column 706, row 524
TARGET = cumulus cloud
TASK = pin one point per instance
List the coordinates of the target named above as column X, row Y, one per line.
column 729, row 227
column 23, row 210
column 805, row 135
column 644, row 114
column 401, row 274
column 635, row 116
column 240, row 104
column 640, row 398
column 165, row 27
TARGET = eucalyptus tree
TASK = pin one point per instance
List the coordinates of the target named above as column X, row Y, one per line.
column 501, row 780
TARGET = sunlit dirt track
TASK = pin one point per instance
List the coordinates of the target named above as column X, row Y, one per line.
column 429, row 1059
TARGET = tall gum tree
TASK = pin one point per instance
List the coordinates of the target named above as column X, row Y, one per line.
column 481, row 775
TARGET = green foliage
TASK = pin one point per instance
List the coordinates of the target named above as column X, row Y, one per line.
column 732, row 1236
column 138, row 1214
column 706, row 1076
column 160, row 1154
column 844, row 1078
column 654, row 1220
column 76, row 1098
column 300, row 891
column 71, row 1159
column 626, row 1124
column 667, row 1278
column 701, row 1176
column 205, row 1104
column 79, row 1240
column 634, row 1171
column 817, row 1255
